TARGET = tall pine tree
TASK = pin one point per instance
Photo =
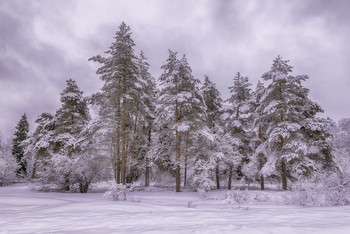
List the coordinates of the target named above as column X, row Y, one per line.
column 121, row 96
column 238, row 123
column 295, row 138
column 181, row 116
column 213, row 102
column 20, row 135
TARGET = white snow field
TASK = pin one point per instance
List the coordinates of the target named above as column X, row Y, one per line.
column 160, row 211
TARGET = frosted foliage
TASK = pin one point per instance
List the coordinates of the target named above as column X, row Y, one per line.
column 289, row 131
column 116, row 190
column 323, row 190
column 202, row 179
column 8, row 164
column 236, row 197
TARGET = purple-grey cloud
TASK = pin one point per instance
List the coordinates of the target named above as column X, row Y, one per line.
column 43, row 43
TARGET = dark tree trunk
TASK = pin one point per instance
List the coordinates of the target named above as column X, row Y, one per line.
column 261, row 164
column 284, row 175
column 148, row 169
column 217, row 175
column 178, row 147
column 230, row 174
column 147, row 175
column 186, row 159
column 178, row 170
column 185, row 174
column 262, row 184
column 118, row 146
column 124, row 145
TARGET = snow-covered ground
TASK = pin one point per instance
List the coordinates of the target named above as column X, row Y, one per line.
column 160, row 211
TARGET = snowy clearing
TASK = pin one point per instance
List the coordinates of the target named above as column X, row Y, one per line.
column 160, row 211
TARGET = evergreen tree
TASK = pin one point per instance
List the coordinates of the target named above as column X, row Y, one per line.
column 213, row 102
column 21, row 134
column 144, row 120
column 70, row 119
column 239, row 123
column 180, row 117
column 38, row 145
column 258, row 158
column 121, row 95
column 8, row 164
column 61, row 145
column 296, row 140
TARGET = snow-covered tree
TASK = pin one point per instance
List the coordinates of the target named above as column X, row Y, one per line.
column 144, row 119
column 181, row 117
column 341, row 146
column 20, row 135
column 213, row 102
column 296, row 139
column 238, row 124
column 257, row 159
column 37, row 146
column 8, row 164
column 62, row 145
column 121, row 96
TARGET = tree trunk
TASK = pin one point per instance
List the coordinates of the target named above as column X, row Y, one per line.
column 34, row 168
column 123, row 166
column 148, row 169
column 185, row 174
column 261, row 164
column 283, row 167
column 284, row 174
column 186, row 157
column 230, row 173
column 217, row 175
column 178, row 148
column 118, row 145
column 147, row 174
column 178, row 175
column 262, row 184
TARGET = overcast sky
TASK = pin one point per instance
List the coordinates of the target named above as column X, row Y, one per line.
column 43, row 43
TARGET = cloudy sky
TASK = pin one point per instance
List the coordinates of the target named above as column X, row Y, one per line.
column 43, row 43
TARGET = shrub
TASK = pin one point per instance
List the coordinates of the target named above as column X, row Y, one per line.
column 117, row 189
column 325, row 189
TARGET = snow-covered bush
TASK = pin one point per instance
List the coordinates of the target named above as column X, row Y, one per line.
column 118, row 189
column 191, row 204
column 8, row 165
column 202, row 179
column 261, row 197
column 325, row 189
column 236, row 197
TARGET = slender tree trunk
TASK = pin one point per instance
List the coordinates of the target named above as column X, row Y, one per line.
column 283, row 168
column 230, row 174
column 185, row 174
column 262, row 182
column 147, row 174
column 118, row 145
column 261, row 160
column 217, row 175
column 148, row 169
column 261, row 164
column 34, row 168
column 284, row 174
column 177, row 149
column 186, row 159
column 178, row 175
column 123, row 166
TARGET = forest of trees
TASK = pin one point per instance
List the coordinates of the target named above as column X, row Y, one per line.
column 177, row 130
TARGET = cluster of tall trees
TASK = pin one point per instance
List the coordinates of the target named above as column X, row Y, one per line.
column 180, row 131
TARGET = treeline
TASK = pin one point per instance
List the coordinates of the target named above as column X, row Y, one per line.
column 179, row 132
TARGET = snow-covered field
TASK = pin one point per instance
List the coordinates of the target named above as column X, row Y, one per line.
column 160, row 211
